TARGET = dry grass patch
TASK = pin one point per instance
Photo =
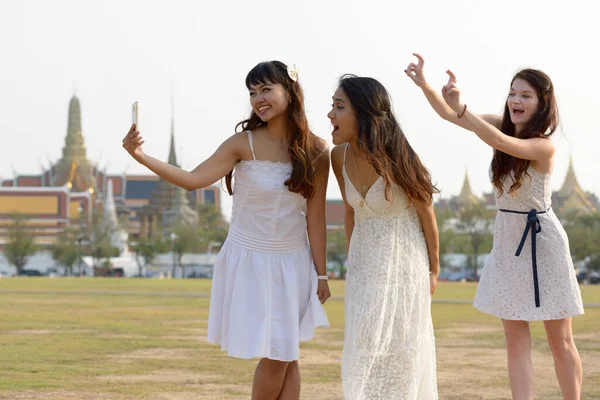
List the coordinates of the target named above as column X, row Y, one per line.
column 165, row 375
column 155, row 354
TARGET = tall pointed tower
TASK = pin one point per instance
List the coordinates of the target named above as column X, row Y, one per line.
column 571, row 198
column 118, row 236
column 168, row 203
column 466, row 196
column 570, row 185
column 74, row 169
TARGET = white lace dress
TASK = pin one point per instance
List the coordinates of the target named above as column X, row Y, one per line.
column 506, row 288
column 264, row 290
column 389, row 345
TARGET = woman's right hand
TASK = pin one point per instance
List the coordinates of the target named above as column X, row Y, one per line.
column 415, row 71
column 133, row 144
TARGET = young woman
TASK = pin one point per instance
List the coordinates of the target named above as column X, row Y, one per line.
column 393, row 256
column 266, row 294
column 529, row 274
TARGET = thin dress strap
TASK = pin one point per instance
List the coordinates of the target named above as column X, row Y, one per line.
column 251, row 146
column 345, row 150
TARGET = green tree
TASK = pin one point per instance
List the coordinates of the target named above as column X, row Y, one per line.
column 98, row 236
column 66, row 250
column 584, row 238
column 337, row 250
column 21, row 242
column 184, row 239
column 146, row 250
column 475, row 224
column 446, row 235
column 212, row 227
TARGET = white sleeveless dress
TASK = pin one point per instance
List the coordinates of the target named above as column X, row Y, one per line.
column 389, row 344
column 507, row 285
column 264, row 290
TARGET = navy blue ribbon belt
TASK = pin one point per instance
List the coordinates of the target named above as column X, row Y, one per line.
column 533, row 224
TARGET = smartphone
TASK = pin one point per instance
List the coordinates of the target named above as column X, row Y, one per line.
column 134, row 115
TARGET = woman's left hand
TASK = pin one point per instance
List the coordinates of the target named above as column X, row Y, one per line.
column 323, row 291
column 433, row 280
column 451, row 93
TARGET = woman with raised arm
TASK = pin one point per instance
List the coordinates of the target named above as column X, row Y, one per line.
column 269, row 284
column 529, row 274
column 393, row 255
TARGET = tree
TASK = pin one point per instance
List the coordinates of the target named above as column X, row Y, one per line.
column 475, row 223
column 146, row 250
column 337, row 249
column 211, row 226
column 584, row 238
column 98, row 235
column 446, row 235
column 184, row 239
column 66, row 251
column 20, row 245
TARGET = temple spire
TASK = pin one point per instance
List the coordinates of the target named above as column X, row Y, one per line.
column 74, row 149
column 110, row 211
column 466, row 195
column 172, row 154
column 465, row 191
column 570, row 184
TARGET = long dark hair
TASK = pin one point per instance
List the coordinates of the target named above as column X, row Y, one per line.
column 541, row 125
column 305, row 147
column 382, row 139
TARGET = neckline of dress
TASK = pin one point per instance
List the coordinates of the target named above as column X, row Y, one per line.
column 364, row 198
column 268, row 162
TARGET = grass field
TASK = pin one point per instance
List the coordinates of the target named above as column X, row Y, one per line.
column 69, row 338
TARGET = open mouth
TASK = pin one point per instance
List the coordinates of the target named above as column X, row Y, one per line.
column 517, row 111
column 335, row 129
column 263, row 109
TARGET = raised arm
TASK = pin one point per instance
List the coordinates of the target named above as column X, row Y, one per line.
column 435, row 99
column 337, row 162
column 535, row 149
column 205, row 174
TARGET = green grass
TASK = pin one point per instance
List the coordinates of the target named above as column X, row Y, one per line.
column 57, row 336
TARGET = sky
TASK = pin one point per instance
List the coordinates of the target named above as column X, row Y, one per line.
column 195, row 55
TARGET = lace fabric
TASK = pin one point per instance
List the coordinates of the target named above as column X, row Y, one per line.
column 389, row 344
column 506, row 287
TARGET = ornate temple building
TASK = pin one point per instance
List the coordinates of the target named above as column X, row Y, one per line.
column 464, row 199
column 570, row 199
column 66, row 192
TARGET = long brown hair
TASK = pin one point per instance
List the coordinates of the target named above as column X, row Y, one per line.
column 541, row 125
column 305, row 147
column 382, row 139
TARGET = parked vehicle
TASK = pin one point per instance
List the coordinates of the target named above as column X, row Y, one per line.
column 30, row 272
column 594, row 277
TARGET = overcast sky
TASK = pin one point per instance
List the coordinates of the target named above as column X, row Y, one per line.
column 112, row 53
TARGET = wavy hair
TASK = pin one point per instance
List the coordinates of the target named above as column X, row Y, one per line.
column 541, row 125
column 384, row 142
column 305, row 147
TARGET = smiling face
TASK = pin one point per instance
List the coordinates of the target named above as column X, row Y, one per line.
column 269, row 100
column 522, row 103
column 343, row 119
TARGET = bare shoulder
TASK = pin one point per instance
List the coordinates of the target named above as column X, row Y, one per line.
column 491, row 119
column 237, row 144
column 321, row 157
column 337, row 155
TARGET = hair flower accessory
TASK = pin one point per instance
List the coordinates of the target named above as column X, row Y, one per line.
column 293, row 73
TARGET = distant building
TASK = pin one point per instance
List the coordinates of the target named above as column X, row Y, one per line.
column 65, row 192
column 568, row 200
